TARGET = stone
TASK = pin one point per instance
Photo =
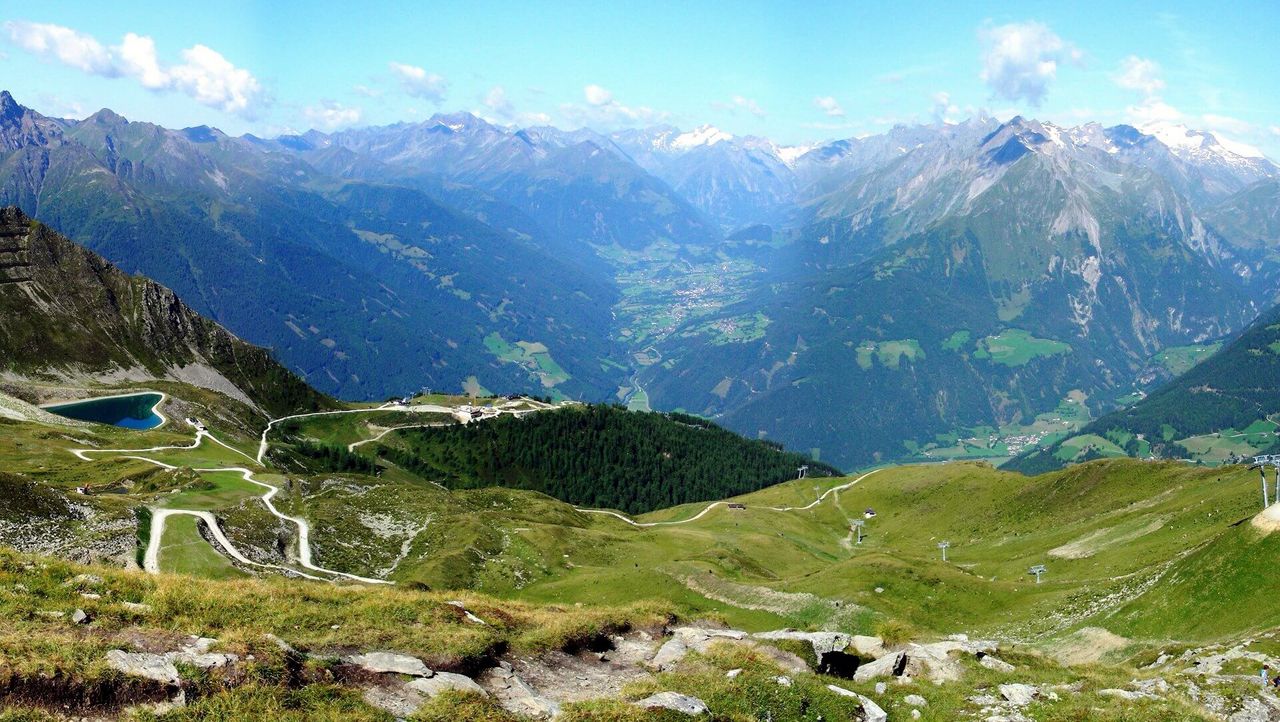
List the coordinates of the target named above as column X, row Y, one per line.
column 783, row 681
column 470, row 617
column 995, row 664
column 883, row 667
column 916, row 700
column 79, row 617
column 90, row 595
column 669, row 654
column 674, row 701
column 444, row 681
column 733, row 673
column 389, row 662
column 143, row 664
column 1019, row 694
column 396, row 702
column 915, row 714
column 881, row 687
column 868, row 646
column 1121, row 693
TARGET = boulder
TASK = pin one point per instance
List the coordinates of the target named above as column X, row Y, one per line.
column 916, row 700
column 389, row 662
column 669, row 654
column 142, row 664
column 444, row 681
column 1019, row 694
column 995, row 664
column 871, row 712
column 883, row 667
column 674, row 701
column 867, row 646
column 79, row 617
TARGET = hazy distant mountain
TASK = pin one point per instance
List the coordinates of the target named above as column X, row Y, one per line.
column 922, row 279
column 366, row 288
column 848, row 297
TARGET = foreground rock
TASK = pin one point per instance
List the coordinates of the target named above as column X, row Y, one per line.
column 389, row 662
column 162, row 667
column 674, row 701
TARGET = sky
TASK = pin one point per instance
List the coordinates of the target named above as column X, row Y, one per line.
column 794, row 72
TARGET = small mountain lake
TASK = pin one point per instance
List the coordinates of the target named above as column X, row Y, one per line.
column 134, row 411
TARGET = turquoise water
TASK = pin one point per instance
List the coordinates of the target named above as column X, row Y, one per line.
column 136, row 411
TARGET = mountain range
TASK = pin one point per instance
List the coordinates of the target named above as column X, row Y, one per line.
column 858, row 299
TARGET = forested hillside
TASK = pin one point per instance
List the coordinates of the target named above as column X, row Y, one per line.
column 1233, row 389
column 601, row 456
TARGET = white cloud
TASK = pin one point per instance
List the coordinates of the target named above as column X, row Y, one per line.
column 597, row 96
column 498, row 107
column 737, row 103
column 366, row 91
column 1020, row 60
column 1228, row 123
column 1139, row 74
column 829, row 105
column 419, row 83
column 944, row 111
column 137, row 58
column 1152, row 111
column 1275, row 130
column 204, row 75
column 70, row 47
column 212, row 80
column 330, row 115
column 605, row 111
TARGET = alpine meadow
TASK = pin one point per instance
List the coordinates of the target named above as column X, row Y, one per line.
column 751, row 362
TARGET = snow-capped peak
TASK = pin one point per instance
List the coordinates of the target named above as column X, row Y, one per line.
column 1180, row 137
column 703, row 135
column 791, row 153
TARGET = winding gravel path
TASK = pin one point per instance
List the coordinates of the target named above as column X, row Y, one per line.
column 714, row 504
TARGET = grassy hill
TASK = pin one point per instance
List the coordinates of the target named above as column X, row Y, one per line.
column 1225, row 405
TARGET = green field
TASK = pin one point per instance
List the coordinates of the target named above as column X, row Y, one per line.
column 184, row 551
column 531, row 355
column 1177, row 360
column 1016, row 347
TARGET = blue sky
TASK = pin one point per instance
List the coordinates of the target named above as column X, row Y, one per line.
column 793, row 72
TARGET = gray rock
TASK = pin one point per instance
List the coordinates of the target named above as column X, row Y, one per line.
column 881, row 687
column 79, row 617
column 398, row 702
column 1122, row 694
column 669, row 654
column 916, row 700
column 783, row 681
column 142, row 664
column 882, row 667
column 733, row 673
column 995, row 664
column 1019, row 694
column 915, row 714
column 674, row 701
column 389, row 662
column 136, row 607
column 869, row 646
column 444, row 681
